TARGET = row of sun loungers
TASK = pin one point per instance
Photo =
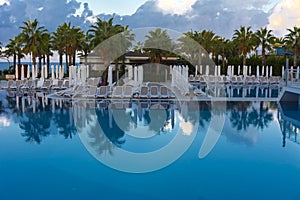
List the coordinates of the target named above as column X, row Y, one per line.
column 233, row 80
column 118, row 92
column 34, row 85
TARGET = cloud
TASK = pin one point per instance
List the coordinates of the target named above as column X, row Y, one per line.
column 285, row 15
column 220, row 16
column 175, row 7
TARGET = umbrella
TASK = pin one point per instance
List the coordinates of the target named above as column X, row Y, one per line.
column 219, row 70
column 257, row 71
column 232, row 70
column 70, row 74
column 207, row 70
column 250, row 71
column 28, row 72
column 135, row 74
column 17, row 74
column 87, row 71
column 52, row 72
column 267, row 71
column 109, row 77
column 46, row 71
column 62, row 72
column 216, row 70
column 42, row 72
column 22, row 73
column 33, row 72
column 56, row 72
column 229, row 71
column 239, row 69
column 271, row 71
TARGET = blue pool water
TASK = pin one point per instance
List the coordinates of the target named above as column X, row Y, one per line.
column 51, row 149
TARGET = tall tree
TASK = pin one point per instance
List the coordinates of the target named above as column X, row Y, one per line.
column 14, row 48
column 293, row 41
column 32, row 37
column 244, row 38
column 265, row 38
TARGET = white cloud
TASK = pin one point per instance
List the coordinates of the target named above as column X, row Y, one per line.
column 3, row 2
column 285, row 15
column 179, row 7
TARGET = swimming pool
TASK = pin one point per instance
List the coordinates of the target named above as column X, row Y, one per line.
column 50, row 149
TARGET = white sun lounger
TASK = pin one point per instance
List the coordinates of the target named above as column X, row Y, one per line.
column 154, row 92
column 144, row 93
column 102, row 92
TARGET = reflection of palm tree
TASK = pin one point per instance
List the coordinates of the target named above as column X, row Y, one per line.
column 239, row 115
column 62, row 118
column 262, row 118
column 35, row 125
column 242, row 118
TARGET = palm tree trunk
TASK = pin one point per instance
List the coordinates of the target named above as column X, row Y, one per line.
column 60, row 59
column 15, row 59
column 48, row 61
column 295, row 56
column 67, row 62
column 244, row 59
column 19, row 60
column 263, row 55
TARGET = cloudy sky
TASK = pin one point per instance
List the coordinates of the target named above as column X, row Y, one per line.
column 221, row 16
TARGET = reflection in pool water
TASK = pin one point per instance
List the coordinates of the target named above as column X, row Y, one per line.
column 40, row 148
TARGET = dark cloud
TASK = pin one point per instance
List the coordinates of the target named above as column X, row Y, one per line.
column 221, row 16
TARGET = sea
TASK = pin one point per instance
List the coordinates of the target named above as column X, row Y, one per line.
column 5, row 65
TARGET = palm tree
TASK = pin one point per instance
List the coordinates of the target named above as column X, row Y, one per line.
column 102, row 30
column 110, row 49
column 244, row 38
column 158, row 44
column 32, row 38
column 14, row 48
column 265, row 38
column 293, row 41
column 85, row 46
column 58, row 42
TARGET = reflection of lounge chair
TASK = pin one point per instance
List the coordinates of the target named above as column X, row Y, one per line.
column 144, row 92
column 4, row 84
column 103, row 92
column 91, row 92
column 164, row 92
column 274, row 79
column 154, row 92
column 127, row 91
column 263, row 80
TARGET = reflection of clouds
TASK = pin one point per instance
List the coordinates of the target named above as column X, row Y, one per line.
column 186, row 126
column 248, row 138
column 4, row 122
